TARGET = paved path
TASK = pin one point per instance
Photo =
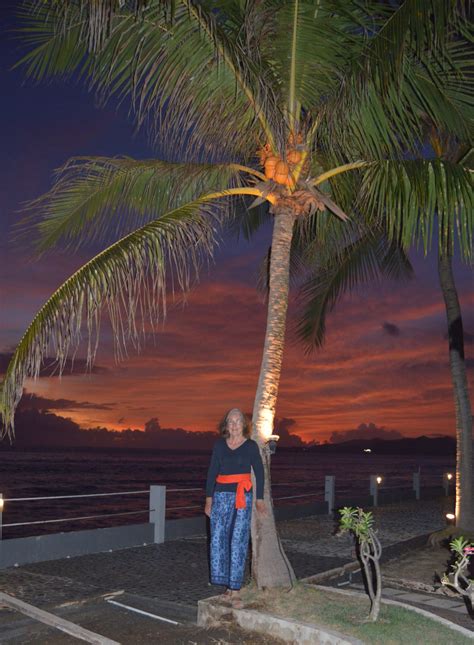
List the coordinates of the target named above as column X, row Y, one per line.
column 395, row 523
column 176, row 573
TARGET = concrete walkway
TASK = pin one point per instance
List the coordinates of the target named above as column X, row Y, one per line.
column 168, row 579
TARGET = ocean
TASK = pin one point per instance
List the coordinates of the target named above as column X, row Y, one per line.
column 85, row 472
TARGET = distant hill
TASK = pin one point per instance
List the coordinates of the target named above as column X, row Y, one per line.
column 43, row 429
column 415, row 446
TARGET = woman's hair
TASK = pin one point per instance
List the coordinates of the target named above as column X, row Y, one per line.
column 247, row 426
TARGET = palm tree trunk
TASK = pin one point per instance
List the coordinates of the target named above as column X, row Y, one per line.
column 464, row 453
column 270, row 566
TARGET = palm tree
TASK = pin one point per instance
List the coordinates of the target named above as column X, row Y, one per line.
column 368, row 259
column 464, row 511
column 328, row 276
column 308, row 107
column 462, row 405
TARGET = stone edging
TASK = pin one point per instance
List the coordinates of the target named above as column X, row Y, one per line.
column 387, row 601
column 332, row 573
column 211, row 611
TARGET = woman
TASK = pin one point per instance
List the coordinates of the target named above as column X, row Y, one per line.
column 229, row 500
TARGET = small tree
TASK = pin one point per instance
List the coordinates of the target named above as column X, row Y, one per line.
column 460, row 582
column 361, row 526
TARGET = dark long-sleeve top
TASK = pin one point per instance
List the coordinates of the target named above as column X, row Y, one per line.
column 225, row 461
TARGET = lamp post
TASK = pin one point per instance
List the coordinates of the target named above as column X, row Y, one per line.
column 447, row 479
column 272, row 443
column 450, row 519
column 330, row 492
column 416, row 484
column 375, row 481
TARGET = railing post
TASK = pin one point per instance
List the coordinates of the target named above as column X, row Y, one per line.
column 158, row 512
column 375, row 480
column 330, row 492
column 1, row 513
column 447, row 479
column 416, row 484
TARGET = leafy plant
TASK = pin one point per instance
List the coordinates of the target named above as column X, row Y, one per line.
column 463, row 549
column 361, row 526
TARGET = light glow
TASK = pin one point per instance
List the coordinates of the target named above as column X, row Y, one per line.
column 378, row 480
column 449, row 476
column 450, row 516
column 266, row 424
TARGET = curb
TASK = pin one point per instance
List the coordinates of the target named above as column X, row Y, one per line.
column 331, row 573
column 211, row 611
column 417, row 610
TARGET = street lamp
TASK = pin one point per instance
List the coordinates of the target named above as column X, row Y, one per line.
column 375, row 481
column 272, row 443
column 450, row 519
column 448, row 478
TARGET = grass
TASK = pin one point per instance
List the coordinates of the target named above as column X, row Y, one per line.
column 346, row 614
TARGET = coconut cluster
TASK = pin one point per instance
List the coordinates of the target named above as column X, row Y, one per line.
column 279, row 169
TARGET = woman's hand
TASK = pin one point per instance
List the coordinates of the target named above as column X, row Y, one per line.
column 261, row 508
column 208, row 506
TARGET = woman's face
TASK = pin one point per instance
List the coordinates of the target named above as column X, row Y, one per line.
column 235, row 425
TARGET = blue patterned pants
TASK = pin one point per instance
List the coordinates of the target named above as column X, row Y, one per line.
column 230, row 531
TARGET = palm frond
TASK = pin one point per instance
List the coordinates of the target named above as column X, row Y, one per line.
column 366, row 260
column 442, row 89
column 380, row 103
column 307, row 44
column 100, row 198
column 248, row 219
column 129, row 280
column 184, row 78
column 96, row 16
column 415, row 199
column 410, row 25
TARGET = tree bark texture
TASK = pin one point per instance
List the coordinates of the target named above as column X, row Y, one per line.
column 270, row 566
column 464, row 449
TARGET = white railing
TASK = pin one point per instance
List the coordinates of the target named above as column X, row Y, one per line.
column 157, row 500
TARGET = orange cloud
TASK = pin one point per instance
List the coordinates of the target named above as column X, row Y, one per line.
column 207, row 358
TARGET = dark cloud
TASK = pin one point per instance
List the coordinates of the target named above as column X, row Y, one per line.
column 36, row 426
column 391, row 329
column 287, row 438
column 50, row 366
column 365, row 431
column 35, row 402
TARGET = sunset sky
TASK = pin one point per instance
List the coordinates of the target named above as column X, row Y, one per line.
column 385, row 360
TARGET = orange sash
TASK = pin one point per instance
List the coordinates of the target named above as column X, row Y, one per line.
column 244, row 483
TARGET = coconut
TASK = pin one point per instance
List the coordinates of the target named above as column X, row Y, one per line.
column 282, row 174
column 271, row 163
column 293, row 156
